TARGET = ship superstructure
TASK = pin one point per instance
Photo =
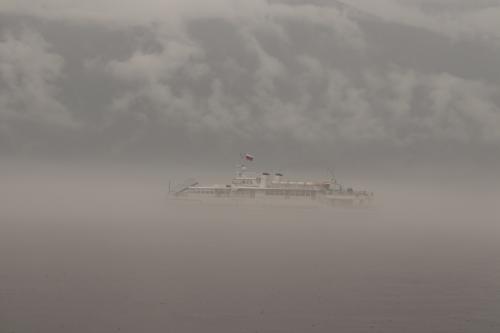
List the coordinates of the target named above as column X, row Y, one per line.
column 267, row 188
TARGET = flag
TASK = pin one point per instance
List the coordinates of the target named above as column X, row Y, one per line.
column 249, row 157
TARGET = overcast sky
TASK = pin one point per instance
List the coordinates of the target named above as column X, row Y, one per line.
column 358, row 80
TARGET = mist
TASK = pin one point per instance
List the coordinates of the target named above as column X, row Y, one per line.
column 105, row 104
column 100, row 248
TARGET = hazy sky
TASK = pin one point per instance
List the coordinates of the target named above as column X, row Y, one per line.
column 358, row 80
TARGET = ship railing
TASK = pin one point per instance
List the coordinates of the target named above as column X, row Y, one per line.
column 179, row 188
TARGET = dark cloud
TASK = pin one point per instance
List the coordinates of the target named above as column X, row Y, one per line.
column 348, row 77
column 29, row 107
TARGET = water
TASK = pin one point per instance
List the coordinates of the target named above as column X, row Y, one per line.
column 110, row 254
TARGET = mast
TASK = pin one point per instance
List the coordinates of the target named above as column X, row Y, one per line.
column 241, row 167
column 241, row 170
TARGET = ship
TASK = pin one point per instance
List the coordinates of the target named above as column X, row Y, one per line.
column 272, row 189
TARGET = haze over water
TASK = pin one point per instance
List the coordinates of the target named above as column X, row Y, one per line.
column 97, row 252
column 103, row 102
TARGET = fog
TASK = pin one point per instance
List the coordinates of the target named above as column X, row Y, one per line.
column 101, row 249
column 103, row 103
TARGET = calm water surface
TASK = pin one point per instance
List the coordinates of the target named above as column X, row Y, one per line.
column 94, row 258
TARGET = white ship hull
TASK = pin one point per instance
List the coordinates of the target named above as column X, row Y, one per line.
column 263, row 200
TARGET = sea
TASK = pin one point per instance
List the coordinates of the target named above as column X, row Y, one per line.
column 99, row 254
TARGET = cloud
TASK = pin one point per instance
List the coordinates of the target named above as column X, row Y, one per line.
column 193, row 73
column 163, row 85
column 463, row 109
column 28, row 94
column 439, row 107
column 454, row 19
column 302, row 98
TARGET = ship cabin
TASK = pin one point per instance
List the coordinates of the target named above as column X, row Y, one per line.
column 266, row 184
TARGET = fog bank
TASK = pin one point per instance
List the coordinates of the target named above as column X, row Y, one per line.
column 103, row 250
